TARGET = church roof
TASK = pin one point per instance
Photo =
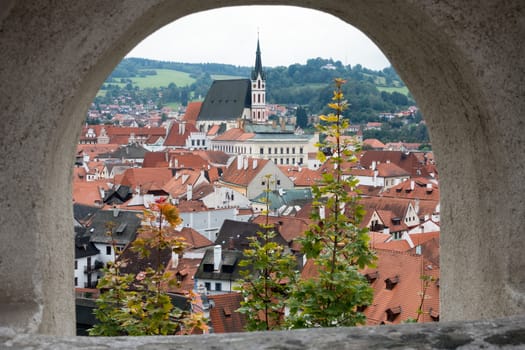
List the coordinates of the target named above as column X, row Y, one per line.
column 258, row 64
column 226, row 100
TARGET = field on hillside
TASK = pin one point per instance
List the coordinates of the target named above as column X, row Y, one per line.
column 225, row 77
column 402, row 90
column 164, row 77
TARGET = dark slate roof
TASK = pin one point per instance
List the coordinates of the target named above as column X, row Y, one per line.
column 118, row 195
column 82, row 212
column 84, row 248
column 235, row 234
column 229, row 258
column 133, row 151
column 290, row 197
column 258, row 64
column 226, row 100
column 125, row 226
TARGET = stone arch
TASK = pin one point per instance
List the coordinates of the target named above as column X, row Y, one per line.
column 462, row 61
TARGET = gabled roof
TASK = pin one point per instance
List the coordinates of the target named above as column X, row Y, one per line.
column 177, row 186
column 124, row 226
column 84, row 248
column 397, row 206
column 235, row 234
column 406, row 293
column 83, row 213
column 373, row 143
column 178, row 134
column 417, row 188
column 148, row 179
column 407, row 161
column 192, row 112
column 118, row 194
column 193, row 238
column 213, row 157
column 88, row 193
column 290, row 228
column 244, row 176
column 133, row 151
column 226, row 100
column 228, row 257
column 223, row 316
column 234, row 134
column 155, row 160
column 187, row 160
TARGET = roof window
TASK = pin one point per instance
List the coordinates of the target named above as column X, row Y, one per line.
column 391, row 282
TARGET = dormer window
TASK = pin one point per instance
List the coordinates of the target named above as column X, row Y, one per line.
column 391, row 282
column 434, row 315
column 372, row 276
column 392, row 313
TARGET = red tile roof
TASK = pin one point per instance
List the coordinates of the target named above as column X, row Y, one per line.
column 289, row 227
column 193, row 238
column 406, row 293
column 155, row 160
column 245, row 175
column 420, row 188
column 234, row 134
column 192, row 112
column 178, row 134
column 149, row 179
column 373, row 143
column 176, row 186
column 224, row 317
column 88, row 192
column 407, row 161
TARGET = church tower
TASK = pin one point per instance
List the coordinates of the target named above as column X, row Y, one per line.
column 258, row 80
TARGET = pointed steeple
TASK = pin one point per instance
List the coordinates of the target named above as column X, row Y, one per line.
column 258, row 63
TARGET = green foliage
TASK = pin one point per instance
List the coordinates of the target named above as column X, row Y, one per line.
column 336, row 244
column 267, row 279
column 138, row 304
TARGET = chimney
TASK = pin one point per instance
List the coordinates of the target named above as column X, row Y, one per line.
column 374, row 165
column 239, row 162
column 183, row 127
column 255, row 163
column 412, row 185
column 416, row 205
column 245, row 165
column 185, row 178
column 115, row 211
column 174, row 260
column 189, row 192
column 217, row 257
column 429, row 187
column 283, row 124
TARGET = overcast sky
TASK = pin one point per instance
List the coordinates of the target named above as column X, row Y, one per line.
column 287, row 35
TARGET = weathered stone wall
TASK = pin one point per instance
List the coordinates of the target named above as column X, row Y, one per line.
column 491, row 334
column 462, row 60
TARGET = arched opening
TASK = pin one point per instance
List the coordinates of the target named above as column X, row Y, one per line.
column 459, row 61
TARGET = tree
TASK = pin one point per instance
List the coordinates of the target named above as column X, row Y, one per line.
column 335, row 244
column 140, row 305
column 267, row 279
column 302, row 118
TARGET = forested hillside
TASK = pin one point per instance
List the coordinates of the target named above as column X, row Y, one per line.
column 369, row 92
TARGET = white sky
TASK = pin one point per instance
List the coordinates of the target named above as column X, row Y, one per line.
column 287, row 35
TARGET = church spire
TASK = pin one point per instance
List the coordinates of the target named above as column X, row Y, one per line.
column 258, row 63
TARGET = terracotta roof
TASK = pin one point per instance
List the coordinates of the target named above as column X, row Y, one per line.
column 406, row 293
column 213, row 130
column 176, row 186
column 213, row 157
column 192, row 112
column 149, row 179
column 184, row 273
column 416, row 188
column 243, row 176
column 234, row 134
column 407, row 161
column 398, row 206
column 390, row 170
column 94, row 150
column 193, row 238
column 400, row 245
column 185, row 206
column 290, row 228
column 155, row 160
column 88, row 192
column 301, row 177
column 373, row 143
column 178, row 134
column 187, row 160
column 127, row 131
column 224, row 317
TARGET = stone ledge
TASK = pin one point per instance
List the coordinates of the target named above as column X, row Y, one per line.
column 507, row 333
